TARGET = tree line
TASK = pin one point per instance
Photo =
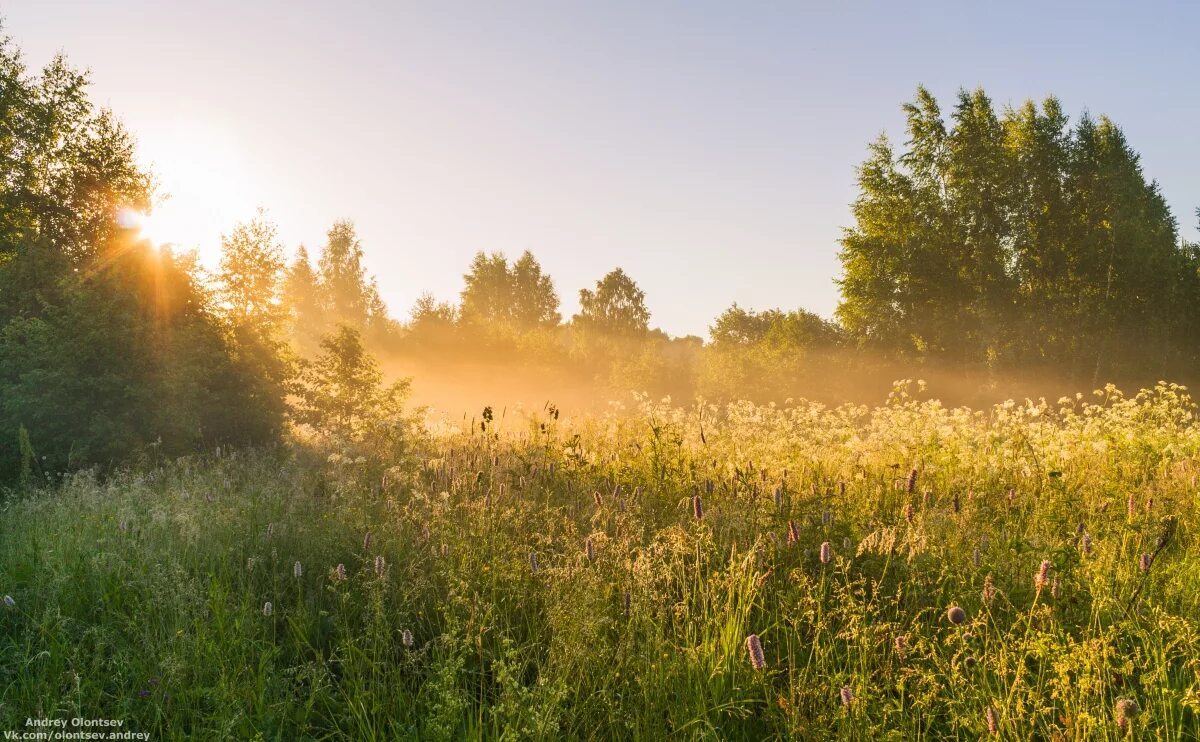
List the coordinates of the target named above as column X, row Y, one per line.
column 991, row 242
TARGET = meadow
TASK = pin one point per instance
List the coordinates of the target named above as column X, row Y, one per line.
column 907, row 571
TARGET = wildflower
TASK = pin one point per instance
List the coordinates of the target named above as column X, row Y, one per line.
column 1131, row 506
column 1127, row 709
column 1149, row 503
column 708, row 486
column 697, row 508
column 969, row 661
column 1085, row 544
column 297, row 570
column 779, row 498
column 976, row 556
column 1080, row 528
column 533, row 562
column 826, row 552
column 268, row 609
column 956, row 504
column 793, row 535
column 627, row 600
column 445, row 550
column 762, row 579
column 1055, row 588
column 901, row 644
column 596, row 497
column 367, row 541
column 339, row 573
column 1144, row 563
column 1043, row 575
column 590, row 550
column 826, row 517
column 847, row 694
column 406, row 638
column 993, row 721
column 956, row 615
column 380, row 566
column 909, row 513
column 842, row 487
column 9, row 602
column 249, row 564
column 911, row 486
column 754, row 647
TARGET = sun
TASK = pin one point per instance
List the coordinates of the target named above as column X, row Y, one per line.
column 204, row 189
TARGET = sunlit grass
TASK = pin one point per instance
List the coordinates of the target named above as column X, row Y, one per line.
column 929, row 614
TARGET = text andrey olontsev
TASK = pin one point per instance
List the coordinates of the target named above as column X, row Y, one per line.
column 81, row 729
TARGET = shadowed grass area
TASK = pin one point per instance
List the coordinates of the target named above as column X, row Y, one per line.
column 542, row 578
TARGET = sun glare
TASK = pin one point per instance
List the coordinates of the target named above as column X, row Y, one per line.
column 204, row 188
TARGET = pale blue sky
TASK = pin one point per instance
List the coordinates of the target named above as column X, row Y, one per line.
column 707, row 148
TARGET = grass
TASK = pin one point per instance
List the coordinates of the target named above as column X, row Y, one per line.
column 141, row 596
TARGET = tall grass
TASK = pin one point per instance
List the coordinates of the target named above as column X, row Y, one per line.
column 954, row 574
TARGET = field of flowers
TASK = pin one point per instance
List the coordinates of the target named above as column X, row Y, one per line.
column 742, row 572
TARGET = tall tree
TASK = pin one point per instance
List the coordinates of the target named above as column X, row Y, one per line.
column 250, row 284
column 535, row 302
column 251, row 273
column 302, row 302
column 1013, row 240
column 349, row 297
column 499, row 295
column 617, row 307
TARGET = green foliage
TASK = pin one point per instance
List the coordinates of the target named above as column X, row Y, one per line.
column 127, row 362
column 547, row 578
column 342, row 395
column 1016, row 241
column 108, row 349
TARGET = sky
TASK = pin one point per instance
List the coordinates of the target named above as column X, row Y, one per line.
column 709, row 149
